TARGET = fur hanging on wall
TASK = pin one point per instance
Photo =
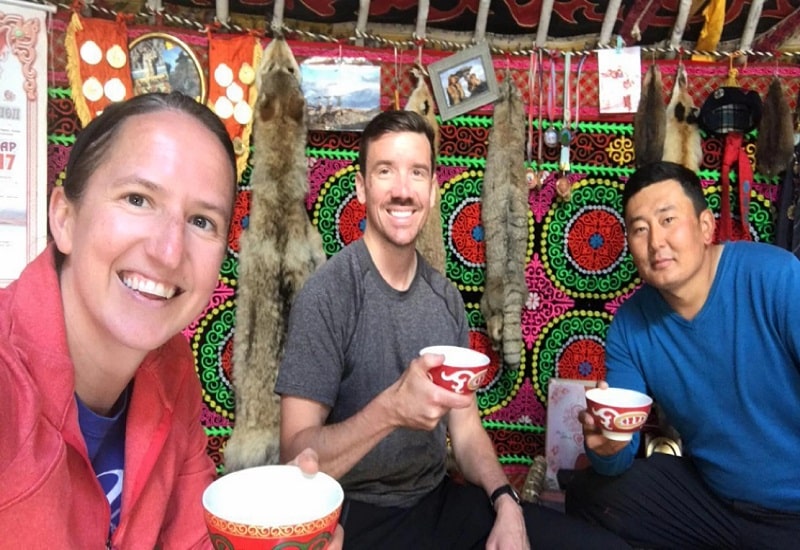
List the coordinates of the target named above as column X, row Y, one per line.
column 650, row 120
column 277, row 252
column 504, row 215
column 430, row 242
column 682, row 141
column 775, row 144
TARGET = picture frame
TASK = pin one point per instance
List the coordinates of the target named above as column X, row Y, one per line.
column 464, row 81
column 341, row 94
column 162, row 63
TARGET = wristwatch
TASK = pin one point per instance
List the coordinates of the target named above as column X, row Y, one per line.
column 506, row 489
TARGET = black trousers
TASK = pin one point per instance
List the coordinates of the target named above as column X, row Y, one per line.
column 459, row 517
column 662, row 502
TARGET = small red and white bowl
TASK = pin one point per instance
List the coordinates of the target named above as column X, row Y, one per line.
column 619, row 412
column 271, row 507
column 464, row 370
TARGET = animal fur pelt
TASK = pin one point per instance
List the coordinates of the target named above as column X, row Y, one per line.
column 682, row 141
column 430, row 242
column 650, row 121
column 277, row 252
column 775, row 144
column 504, row 215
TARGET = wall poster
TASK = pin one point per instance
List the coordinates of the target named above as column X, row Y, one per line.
column 23, row 134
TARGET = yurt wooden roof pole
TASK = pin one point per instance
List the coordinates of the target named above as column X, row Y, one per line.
column 277, row 18
column 422, row 19
column 750, row 26
column 222, row 10
column 773, row 38
column 361, row 23
column 544, row 23
column 679, row 28
column 608, row 22
column 155, row 7
column 480, row 23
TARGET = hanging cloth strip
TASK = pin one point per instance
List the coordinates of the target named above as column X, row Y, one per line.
column 731, row 112
column 734, row 152
column 97, row 64
column 232, row 93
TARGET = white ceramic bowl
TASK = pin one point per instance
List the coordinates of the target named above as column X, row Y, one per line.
column 266, row 506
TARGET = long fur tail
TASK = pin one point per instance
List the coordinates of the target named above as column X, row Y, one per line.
column 682, row 141
column 277, row 252
column 504, row 215
column 775, row 144
column 650, row 121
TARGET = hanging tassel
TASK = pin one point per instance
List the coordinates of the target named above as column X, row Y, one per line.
column 650, row 120
column 775, row 144
column 682, row 142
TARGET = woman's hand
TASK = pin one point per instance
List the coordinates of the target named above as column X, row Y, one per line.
column 308, row 462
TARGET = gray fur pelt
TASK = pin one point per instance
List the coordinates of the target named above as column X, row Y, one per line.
column 775, row 144
column 277, row 252
column 650, row 120
column 504, row 215
column 430, row 241
column 682, row 141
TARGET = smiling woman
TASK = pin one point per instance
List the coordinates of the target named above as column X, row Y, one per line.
column 91, row 335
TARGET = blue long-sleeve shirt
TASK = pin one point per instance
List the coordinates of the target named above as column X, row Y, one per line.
column 728, row 380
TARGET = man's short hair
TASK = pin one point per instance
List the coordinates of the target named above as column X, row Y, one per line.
column 392, row 122
column 657, row 172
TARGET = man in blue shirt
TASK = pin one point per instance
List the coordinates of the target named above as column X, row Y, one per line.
column 710, row 336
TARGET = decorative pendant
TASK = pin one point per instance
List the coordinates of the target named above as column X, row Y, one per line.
column 551, row 137
column 564, row 188
column 534, row 179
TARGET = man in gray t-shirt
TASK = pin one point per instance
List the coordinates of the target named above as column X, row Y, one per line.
column 354, row 388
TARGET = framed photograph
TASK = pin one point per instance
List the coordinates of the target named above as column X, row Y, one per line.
column 162, row 63
column 464, row 81
column 340, row 94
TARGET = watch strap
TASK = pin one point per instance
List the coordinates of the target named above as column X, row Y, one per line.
column 506, row 489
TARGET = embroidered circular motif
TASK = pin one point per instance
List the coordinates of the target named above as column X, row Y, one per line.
column 240, row 219
column 583, row 242
column 338, row 215
column 465, row 235
column 596, row 239
column 465, row 252
column 351, row 220
column 212, row 345
column 503, row 383
column 570, row 346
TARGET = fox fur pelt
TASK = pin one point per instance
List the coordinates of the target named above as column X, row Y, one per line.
column 277, row 252
column 650, row 120
column 430, row 242
column 682, row 141
column 504, row 215
column 775, row 143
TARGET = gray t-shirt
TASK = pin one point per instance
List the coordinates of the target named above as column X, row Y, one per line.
column 350, row 337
